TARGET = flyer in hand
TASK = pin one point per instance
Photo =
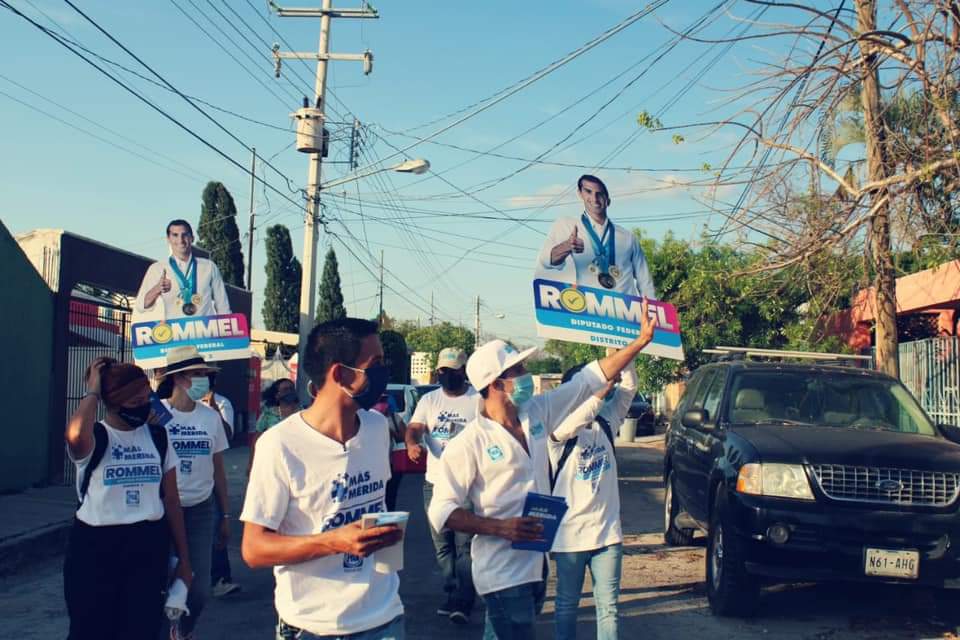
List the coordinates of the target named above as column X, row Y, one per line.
column 550, row 510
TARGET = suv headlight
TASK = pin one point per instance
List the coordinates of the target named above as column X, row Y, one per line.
column 775, row 480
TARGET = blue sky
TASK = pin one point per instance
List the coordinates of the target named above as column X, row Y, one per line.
column 431, row 59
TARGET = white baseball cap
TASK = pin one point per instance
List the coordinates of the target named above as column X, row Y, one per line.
column 492, row 359
column 452, row 358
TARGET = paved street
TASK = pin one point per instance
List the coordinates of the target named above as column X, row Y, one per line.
column 662, row 588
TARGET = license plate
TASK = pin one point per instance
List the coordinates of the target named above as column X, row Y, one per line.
column 892, row 564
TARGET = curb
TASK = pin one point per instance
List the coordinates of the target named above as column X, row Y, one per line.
column 43, row 543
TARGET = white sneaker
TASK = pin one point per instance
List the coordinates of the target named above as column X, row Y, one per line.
column 224, row 587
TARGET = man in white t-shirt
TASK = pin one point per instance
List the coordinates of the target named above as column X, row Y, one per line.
column 584, row 468
column 315, row 475
column 183, row 284
column 440, row 416
column 500, row 458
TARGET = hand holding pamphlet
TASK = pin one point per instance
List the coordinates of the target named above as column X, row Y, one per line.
column 390, row 558
column 550, row 510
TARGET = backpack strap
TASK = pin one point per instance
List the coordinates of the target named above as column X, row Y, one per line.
column 568, row 448
column 605, row 425
column 158, row 434
column 100, row 441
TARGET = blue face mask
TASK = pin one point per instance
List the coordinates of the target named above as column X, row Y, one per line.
column 377, row 378
column 522, row 389
column 199, row 387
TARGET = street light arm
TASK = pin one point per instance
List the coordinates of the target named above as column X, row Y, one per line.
column 417, row 167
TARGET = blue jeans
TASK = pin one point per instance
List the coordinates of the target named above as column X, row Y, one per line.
column 199, row 522
column 220, row 561
column 511, row 613
column 453, row 555
column 605, row 564
column 393, row 630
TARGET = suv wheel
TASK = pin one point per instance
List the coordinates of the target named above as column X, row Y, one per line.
column 673, row 536
column 730, row 589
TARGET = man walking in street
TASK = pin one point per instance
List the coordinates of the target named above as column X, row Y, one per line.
column 439, row 417
column 314, row 476
column 592, row 251
column 501, row 457
column 183, row 284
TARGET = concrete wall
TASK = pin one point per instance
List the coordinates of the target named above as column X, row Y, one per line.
column 26, row 333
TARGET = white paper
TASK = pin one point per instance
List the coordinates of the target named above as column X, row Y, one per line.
column 390, row 558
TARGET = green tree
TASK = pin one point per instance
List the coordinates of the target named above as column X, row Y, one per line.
column 396, row 356
column 330, row 306
column 281, row 303
column 434, row 338
column 217, row 232
column 548, row 364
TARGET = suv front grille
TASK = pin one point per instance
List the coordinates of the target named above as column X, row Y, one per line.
column 887, row 486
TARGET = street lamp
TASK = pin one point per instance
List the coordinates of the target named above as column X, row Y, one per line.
column 308, row 284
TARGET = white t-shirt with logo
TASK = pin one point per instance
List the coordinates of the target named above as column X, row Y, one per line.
column 195, row 435
column 304, row 483
column 488, row 468
column 125, row 486
column 445, row 417
column 588, row 479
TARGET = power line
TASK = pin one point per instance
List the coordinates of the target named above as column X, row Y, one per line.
column 538, row 75
column 143, row 99
column 177, row 91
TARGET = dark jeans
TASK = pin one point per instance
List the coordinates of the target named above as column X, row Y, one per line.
column 393, row 630
column 220, row 563
column 393, row 486
column 453, row 555
column 114, row 578
column 511, row 613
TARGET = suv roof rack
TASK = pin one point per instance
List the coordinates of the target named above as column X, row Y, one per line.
column 743, row 353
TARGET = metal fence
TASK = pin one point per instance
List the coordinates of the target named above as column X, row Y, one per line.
column 96, row 330
column 931, row 370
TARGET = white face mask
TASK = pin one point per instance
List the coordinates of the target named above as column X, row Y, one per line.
column 199, row 387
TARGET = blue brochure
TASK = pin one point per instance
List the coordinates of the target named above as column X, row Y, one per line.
column 161, row 415
column 550, row 510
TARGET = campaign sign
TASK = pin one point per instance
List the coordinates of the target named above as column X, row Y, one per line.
column 225, row 337
column 603, row 318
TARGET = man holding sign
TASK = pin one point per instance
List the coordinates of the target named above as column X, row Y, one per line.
column 501, row 458
column 592, row 251
column 182, row 285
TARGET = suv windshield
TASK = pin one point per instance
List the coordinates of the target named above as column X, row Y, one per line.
column 821, row 398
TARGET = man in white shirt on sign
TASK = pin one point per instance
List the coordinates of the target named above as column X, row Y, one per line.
column 439, row 417
column 501, row 457
column 183, row 284
column 592, row 251
column 584, row 472
column 315, row 475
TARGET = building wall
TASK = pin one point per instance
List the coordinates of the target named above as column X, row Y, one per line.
column 420, row 372
column 26, row 331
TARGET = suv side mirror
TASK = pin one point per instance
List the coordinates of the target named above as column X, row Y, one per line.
column 950, row 432
column 695, row 418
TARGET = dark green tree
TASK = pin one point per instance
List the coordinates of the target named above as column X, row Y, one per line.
column 439, row 336
column 330, row 306
column 217, row 232
column 281, row 303
column 396, row 356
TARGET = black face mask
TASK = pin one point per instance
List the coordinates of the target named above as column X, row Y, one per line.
column 377, row 378
column 135, row 416
column 451, row 379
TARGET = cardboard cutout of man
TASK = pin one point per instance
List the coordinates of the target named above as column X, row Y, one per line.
column 592, row 251
column 183, row 284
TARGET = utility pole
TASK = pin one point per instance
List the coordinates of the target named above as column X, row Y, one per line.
column 476, row 343
column 253, row 173
column 431, row 308
column 885, row 283
column 380, row 316
column 308, row 286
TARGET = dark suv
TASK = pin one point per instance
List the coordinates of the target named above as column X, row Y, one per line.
column 801, row 472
